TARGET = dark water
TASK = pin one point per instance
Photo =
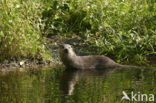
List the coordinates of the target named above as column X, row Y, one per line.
column 59, row 86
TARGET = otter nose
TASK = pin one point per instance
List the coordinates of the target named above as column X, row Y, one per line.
column 65, row 50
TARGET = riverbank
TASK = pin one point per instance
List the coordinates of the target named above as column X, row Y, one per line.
column 81, row 47
column 31, row 31
column 24, row 64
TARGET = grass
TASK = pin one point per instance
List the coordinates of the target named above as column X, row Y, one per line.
column 125, row 29
column 20, row 33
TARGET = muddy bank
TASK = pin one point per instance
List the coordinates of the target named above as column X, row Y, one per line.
column 10, row 66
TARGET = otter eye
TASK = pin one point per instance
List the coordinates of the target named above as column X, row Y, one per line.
column 70, row 46
column 66, row 50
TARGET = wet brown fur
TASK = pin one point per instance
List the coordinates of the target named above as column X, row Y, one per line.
column 72, row 61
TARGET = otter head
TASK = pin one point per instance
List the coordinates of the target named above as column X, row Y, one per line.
column 67, row 54
column 67, row 49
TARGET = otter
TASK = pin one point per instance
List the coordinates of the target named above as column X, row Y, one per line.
column 73, row 61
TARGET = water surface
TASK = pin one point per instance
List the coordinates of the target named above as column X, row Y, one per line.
column 57, row 85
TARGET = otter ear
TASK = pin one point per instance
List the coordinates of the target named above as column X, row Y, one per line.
column 71, row 46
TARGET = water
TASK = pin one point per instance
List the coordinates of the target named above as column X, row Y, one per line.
column 55, row 85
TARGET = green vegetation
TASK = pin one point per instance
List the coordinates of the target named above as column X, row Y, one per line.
column 20, row 30
column 125, row 29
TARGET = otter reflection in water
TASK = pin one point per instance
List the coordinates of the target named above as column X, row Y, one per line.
column 71, row 77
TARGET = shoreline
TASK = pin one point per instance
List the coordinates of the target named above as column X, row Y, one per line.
column 13, row 66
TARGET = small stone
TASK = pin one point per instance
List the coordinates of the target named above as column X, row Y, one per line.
column 21, row 63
